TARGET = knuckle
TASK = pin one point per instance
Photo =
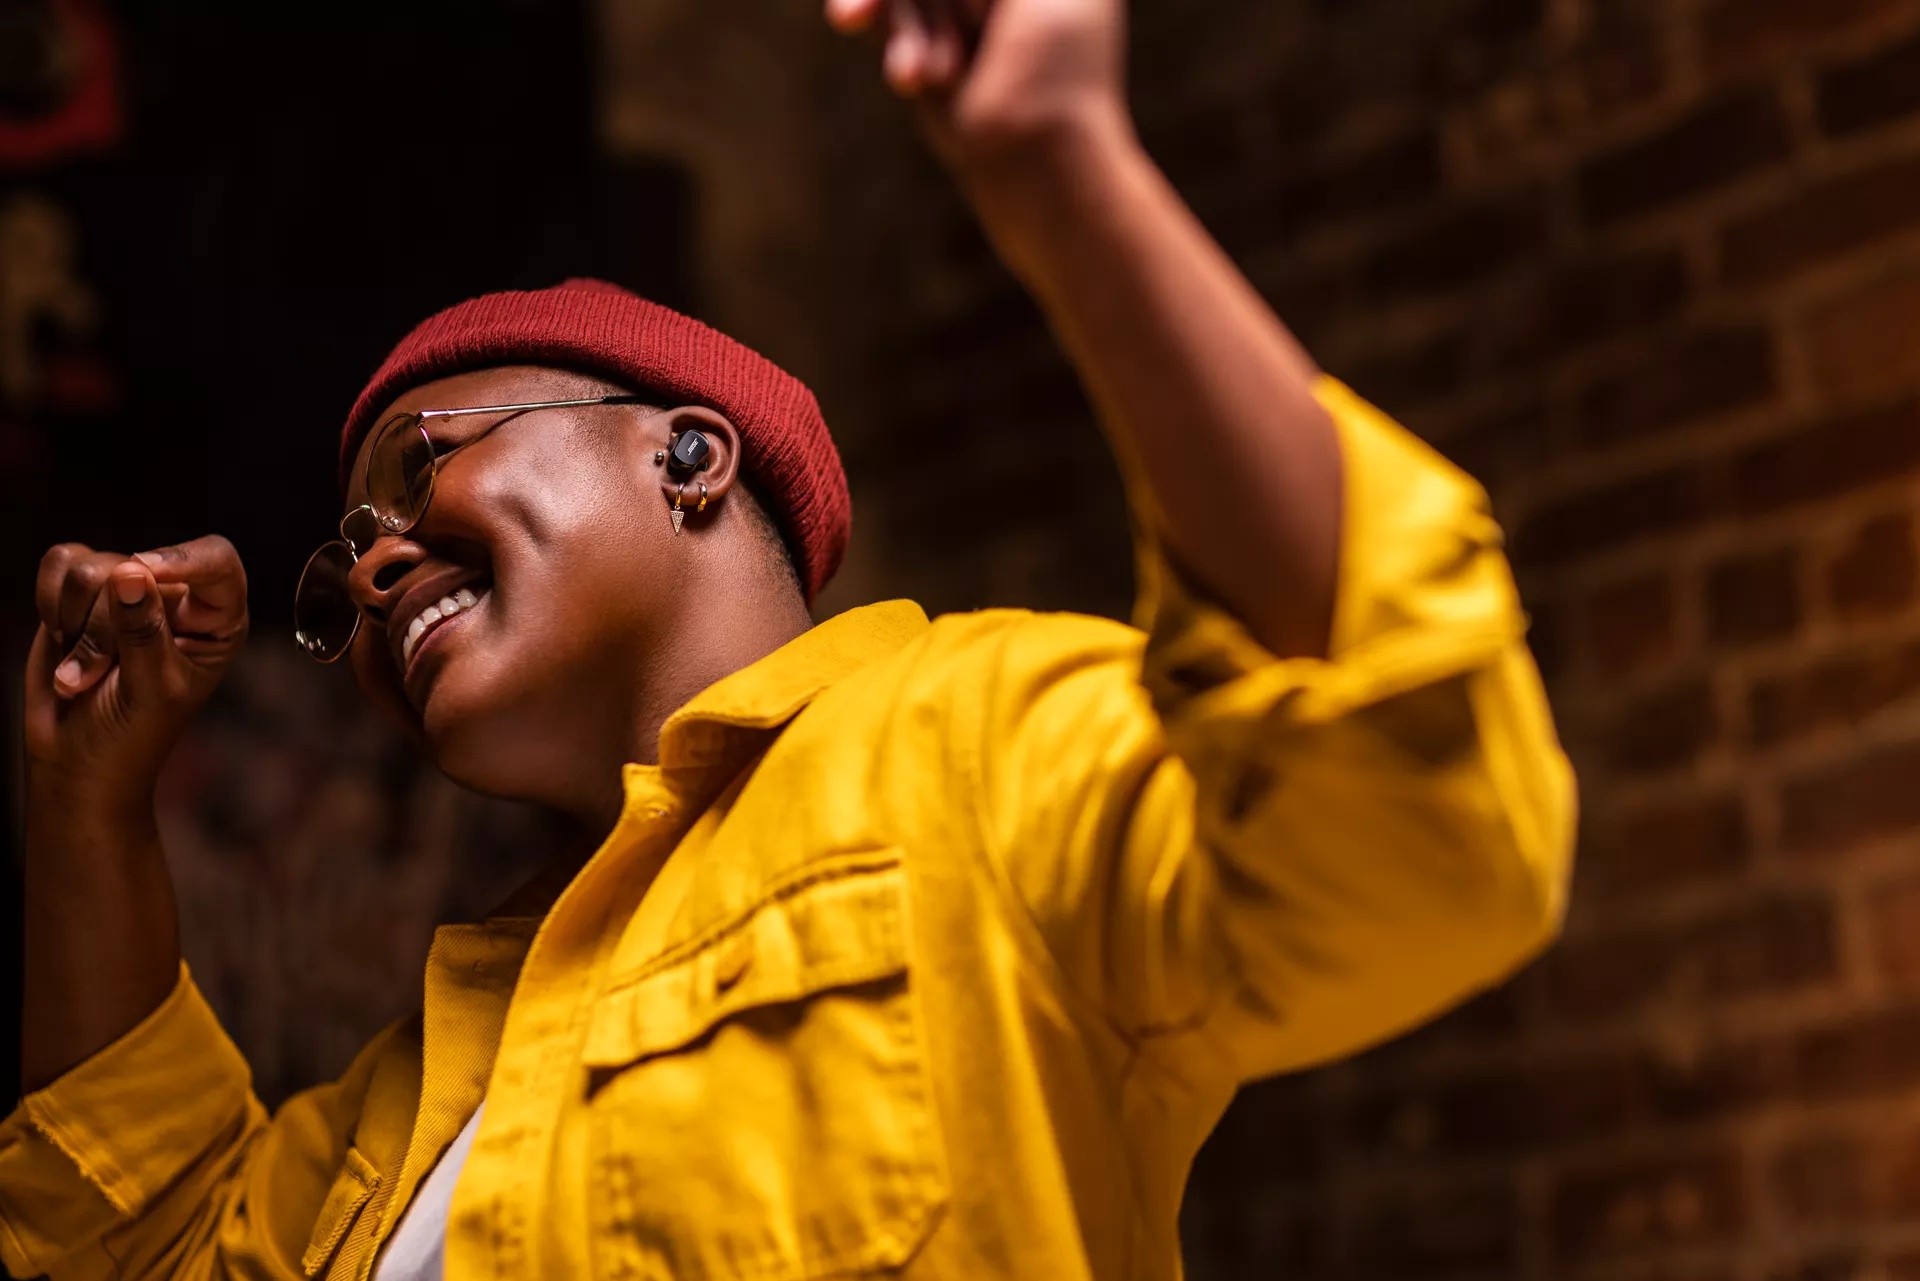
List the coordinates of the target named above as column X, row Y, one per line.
column 53, row 565
column 143, row 629
column 222, row 555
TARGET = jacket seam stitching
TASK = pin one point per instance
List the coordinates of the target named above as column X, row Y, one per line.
column 102, row 1172
column 840, row 866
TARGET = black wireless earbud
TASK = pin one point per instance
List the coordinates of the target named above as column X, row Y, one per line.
column 689, row 454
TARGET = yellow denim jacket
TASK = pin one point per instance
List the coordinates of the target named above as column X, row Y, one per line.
column 928, row 947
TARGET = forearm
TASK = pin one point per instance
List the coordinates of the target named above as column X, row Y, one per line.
column 102, row 933
column 1197, row 382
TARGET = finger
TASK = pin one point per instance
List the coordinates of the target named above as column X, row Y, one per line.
column 48, row 581
column 210, row 561
column 87, row 661
column 86, row 578
column 92, row 654
column 909, row 43
column 40, row 706
column 850, row 17
column 91, row 645
column 215, row 605
column 946, row 45
column 43, row 657
column 140, row 627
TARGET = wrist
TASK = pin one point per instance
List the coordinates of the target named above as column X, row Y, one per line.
column 61, row 804
column 1022, row 182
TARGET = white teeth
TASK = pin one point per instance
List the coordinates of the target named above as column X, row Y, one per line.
column 445, row 607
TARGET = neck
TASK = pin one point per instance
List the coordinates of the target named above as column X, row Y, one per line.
column 670, row 678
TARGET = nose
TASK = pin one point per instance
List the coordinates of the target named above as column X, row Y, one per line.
column 376, row 574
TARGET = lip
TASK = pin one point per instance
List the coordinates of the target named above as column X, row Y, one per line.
column 416, row 598
column 419, row 673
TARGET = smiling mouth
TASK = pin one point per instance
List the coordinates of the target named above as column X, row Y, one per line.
column 434, row 616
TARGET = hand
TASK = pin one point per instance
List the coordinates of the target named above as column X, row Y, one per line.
column 128, row 649
column 1001, row 80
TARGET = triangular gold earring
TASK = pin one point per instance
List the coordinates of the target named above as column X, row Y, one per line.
column 677, row 516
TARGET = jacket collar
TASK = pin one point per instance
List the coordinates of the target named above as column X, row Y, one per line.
column 738, row 713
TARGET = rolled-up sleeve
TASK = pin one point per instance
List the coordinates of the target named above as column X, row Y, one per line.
column 1263, row 863
column 153, row 1158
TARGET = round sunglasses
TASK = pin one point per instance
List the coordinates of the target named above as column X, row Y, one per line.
column 400, row 472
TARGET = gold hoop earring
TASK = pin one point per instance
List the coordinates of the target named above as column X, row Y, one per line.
column 703, row 500
column 676, row 515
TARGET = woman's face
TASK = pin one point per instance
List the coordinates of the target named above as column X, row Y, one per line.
column 541, row 536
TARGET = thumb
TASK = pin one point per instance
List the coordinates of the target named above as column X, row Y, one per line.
column 140, row 628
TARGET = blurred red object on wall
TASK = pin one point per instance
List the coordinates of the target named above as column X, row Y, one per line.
column 59, row 83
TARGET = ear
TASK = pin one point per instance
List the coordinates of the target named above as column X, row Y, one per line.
column 719, row 471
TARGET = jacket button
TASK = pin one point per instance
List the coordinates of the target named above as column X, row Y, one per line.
column 733, row 964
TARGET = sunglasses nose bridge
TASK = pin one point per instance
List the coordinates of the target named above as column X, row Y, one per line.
column 361, row 528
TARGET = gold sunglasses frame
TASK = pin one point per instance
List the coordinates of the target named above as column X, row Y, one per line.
column 392, row 524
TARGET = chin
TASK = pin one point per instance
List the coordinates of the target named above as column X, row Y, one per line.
column 485, row 744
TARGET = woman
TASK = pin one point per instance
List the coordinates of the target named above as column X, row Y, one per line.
column 889, row 945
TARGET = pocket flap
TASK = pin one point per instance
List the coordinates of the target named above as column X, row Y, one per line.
column 837, row 925
column 351, row 1190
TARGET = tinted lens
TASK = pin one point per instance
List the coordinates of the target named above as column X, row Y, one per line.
column 400, row 473
column 324, row 617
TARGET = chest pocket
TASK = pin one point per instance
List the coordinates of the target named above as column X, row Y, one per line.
column 761, row 1107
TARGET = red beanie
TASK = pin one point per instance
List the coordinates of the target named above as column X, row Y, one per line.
column 598, row 328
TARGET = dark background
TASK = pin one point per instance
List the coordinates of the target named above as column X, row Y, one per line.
column 1648, row 268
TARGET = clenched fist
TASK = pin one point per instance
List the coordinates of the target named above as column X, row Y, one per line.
column 128, row 649
column 998, row 79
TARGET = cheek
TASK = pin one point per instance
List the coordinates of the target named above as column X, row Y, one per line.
column 541, row 490
column 572, row 540
column 582, row 591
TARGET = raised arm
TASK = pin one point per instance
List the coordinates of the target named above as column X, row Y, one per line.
column 1321, row 799
column 1198, row 383
column 128, row 648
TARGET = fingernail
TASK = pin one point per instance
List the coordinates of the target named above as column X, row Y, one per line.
column 903, row 62
column 129, row 590
column 68, row 673
column 843, row 14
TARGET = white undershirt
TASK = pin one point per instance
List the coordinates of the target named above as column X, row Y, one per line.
column 417, row 1250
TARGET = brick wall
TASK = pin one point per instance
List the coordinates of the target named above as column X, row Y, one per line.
column 1651, row 269
column 1652, row 272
